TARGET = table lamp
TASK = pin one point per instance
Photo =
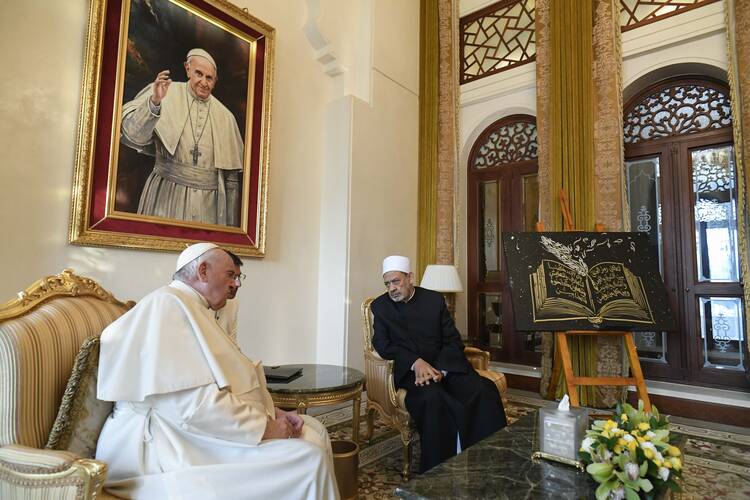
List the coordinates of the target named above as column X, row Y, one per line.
column 443, row 278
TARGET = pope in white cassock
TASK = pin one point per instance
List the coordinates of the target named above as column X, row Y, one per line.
column 192, row 417
column 196, row 142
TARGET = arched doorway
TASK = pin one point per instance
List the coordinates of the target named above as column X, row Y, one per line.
column 503, row 195
column 682, row 190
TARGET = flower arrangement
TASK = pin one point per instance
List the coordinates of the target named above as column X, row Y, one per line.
column 632, row 456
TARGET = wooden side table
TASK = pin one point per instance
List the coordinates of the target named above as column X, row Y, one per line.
column 321, row 385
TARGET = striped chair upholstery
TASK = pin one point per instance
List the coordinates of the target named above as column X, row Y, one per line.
column 41, row 333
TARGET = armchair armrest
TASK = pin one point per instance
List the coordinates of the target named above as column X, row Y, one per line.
column 380, row 386
column 48, row 474
column 478, row 358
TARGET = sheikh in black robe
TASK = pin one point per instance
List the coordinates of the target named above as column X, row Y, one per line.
column 463, row 402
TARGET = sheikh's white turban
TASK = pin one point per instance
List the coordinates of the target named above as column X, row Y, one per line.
column 396, row 263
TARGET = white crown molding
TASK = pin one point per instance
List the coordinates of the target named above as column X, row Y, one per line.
column 498, row 85
column 679, row 29
column 322, row 48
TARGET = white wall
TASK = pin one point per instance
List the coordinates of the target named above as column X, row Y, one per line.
column 42, row 49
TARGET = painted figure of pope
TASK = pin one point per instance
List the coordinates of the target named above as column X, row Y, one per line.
column 196, row 142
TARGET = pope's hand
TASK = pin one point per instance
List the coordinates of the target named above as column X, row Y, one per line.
column 160, row 87
column 280, row 428
column 294, row 420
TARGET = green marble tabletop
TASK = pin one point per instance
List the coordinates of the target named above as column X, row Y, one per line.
column 500, row 466
column 319, row 378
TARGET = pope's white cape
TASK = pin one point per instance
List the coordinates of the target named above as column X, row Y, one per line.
column 168, row 342
column 191, row 411
column 227, row 141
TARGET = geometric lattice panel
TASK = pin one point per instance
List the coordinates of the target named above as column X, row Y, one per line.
column 496, row 38
column 634, row 13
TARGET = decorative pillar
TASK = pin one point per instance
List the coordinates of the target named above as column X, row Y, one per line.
column 579, row 127
column 438, row 142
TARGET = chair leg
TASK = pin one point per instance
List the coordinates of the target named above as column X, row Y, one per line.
column 370, row 413
column 406, row 440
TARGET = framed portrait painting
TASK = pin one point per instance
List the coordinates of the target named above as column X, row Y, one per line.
column 173, row 137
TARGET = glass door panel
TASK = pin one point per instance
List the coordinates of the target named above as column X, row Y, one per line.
column 715, row 209
column 722, row 335
column 491, row 313
column 490, row 258
column 643, row 179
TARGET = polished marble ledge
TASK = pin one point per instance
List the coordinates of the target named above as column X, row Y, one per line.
column 501, row 466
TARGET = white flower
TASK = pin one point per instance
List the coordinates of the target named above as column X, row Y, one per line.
column 651, row 434
column 607, row 455
column 659, row 457
column 618, row 494
column 648, row 446
column 632, row 470
column 663, row 473
column 586, row 445
column 628, row 438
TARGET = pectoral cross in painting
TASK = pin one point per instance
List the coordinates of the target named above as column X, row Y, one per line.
column 195, row 154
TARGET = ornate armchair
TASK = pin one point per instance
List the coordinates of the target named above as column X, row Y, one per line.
column 383, row 397
column 41, row 333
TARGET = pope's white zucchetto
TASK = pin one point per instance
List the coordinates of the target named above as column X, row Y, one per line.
column 396, row 263
column 202, row 53
column 193, row 252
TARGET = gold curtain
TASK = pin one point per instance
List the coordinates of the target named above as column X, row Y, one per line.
column 737, row 20
column 438, row 129
column 579, row 129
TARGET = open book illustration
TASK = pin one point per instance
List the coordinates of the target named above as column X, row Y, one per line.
column 606, row 291
column 585, row 281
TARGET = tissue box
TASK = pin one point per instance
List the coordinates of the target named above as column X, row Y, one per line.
column 561, row 431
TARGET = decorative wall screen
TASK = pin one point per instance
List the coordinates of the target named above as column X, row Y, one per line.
column 507, row 143
column 501, row 36
column 634, row 13
column 677, row 110
column 496, row 38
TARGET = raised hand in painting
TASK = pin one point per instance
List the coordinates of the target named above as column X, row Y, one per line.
column 160, row 87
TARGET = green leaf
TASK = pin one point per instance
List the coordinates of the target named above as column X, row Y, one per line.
column 631, row 494
column 645, row 485
column 602, row 492
column 600, row 471
column 644, row 469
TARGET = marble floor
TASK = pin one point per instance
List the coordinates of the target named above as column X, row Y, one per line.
column 717, row 458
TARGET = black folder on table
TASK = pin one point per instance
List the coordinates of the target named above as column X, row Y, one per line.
column 282, row 373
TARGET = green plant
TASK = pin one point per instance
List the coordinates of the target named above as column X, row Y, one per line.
column 632, row 456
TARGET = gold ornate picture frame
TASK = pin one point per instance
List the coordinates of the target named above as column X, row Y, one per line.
column 159, row 182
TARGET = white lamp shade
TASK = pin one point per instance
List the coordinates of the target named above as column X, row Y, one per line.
column 441, row 278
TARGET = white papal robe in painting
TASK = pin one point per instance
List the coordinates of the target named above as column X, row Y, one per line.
column 191, row 409
column 204, row 190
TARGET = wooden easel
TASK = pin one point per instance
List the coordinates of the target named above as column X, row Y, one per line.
column 562, row 358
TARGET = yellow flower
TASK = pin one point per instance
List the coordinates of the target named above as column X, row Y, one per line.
column 676, row 463
column 622, row 442
column 649, row 454
column 610, row 424
column 658, row 462
column 624, row 417
column 674, row 451
column 632, row 445
column 668, row 464
column 643, row 426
